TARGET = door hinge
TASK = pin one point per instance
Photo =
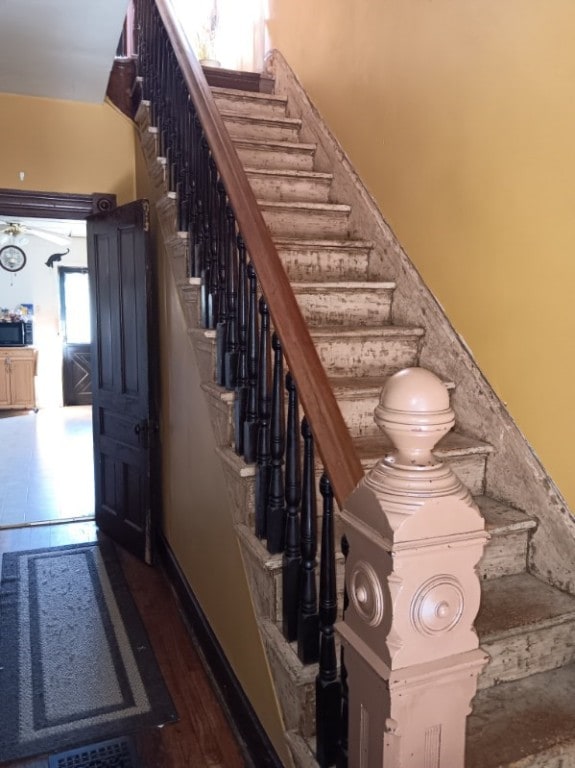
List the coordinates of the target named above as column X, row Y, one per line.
column 146, row 207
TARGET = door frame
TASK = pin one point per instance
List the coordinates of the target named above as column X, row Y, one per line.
column 23, row 203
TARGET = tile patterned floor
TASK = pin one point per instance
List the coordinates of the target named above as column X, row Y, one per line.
column 46, row 465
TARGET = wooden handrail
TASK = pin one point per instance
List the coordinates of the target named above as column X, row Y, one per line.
column 333, row 440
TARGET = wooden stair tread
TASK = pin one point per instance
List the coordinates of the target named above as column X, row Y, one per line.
column 534, row 716
column 238, row 80
column 512, row 604
column 342, row 285
column 271, row 563
column 372, row 448
column 345, row 332
column 346, row 386
column 235, row 462
column 287, row 122
column 256, row 96
column 501, row 519
column 362, row 331
column 343, row 243
column 301, row 674
column 278, row 146
column 289, row 205
column 289, row 173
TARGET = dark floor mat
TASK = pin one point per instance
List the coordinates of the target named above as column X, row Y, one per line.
column 115, row 753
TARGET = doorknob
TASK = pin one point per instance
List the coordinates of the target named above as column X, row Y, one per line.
column 142, row 429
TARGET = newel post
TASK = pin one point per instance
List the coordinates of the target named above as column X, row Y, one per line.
column 415, row 537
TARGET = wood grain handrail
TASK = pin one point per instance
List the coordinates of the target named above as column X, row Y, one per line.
column 333, row 440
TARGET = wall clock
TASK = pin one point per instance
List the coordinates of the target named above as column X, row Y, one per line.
column 12, row 258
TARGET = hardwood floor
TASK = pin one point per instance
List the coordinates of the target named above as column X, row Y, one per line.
column 203, row 736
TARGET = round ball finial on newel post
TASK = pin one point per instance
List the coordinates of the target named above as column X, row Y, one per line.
column 415, row 413
column 415, row 537
column 414, row 410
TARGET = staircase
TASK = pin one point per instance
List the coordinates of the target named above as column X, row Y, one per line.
column 356, row 290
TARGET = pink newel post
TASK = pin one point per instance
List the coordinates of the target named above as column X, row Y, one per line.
column 415, row 537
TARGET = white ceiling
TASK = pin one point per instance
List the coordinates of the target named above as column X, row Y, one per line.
column 64, row 227
column 60, row 49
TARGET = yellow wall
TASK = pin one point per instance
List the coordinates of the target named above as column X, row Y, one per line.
column 65, row 146
column 460, row 118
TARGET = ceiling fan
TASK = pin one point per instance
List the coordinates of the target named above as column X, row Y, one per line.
column 17, row 233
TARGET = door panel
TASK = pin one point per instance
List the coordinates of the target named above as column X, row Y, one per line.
column 77, row 374
column 124, row 387
column 75, row 322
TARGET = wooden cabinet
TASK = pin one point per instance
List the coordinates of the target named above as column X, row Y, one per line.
column 17, row 372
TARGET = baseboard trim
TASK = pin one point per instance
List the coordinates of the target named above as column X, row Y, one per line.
column 259, row 750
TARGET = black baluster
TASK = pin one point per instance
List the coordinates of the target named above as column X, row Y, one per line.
column 207, row 308
column 196, row 232
column 292, row 552
column 241, row 398
column 264, row 405
column 222, row 271
column 212, row 228
column 251, row 422
column 183, row 167
column 308, row 619
column 327, row 686
column 211, row 237
column 341, row 758
column 232, row 347
column 275, row 522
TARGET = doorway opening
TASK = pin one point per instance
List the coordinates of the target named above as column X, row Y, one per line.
column 46, row 457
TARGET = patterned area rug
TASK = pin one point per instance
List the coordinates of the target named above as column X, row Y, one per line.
column 76, row 665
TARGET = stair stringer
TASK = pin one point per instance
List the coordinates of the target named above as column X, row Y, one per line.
column 239, row 477
column 514, row 473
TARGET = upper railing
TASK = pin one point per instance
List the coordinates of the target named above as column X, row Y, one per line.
column 331, row 435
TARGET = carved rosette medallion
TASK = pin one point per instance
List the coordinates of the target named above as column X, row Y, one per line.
column 366, row 594
column 437, row 606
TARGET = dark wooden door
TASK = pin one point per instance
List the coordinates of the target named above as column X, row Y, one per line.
column 124, row 390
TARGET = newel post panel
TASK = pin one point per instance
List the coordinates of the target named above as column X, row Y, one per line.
column 415, row 537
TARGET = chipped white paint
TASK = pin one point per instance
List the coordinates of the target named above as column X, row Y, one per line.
column 364, row 351
column 288, row 185
column 260, row 128
column 319, row 260
column 252, row 104
column 275, row 154
column 514, row 473
column 345, row 303
column 314, row 220
column 526, row 627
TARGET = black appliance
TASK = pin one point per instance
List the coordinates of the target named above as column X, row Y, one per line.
column 16, row 333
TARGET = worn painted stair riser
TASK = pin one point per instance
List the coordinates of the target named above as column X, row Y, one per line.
column 272, row 155
column 300, row 220
column 250, row 104
column 262, row 129
column 290, row 186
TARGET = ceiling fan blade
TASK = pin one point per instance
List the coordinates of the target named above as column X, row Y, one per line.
column 57, row 239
